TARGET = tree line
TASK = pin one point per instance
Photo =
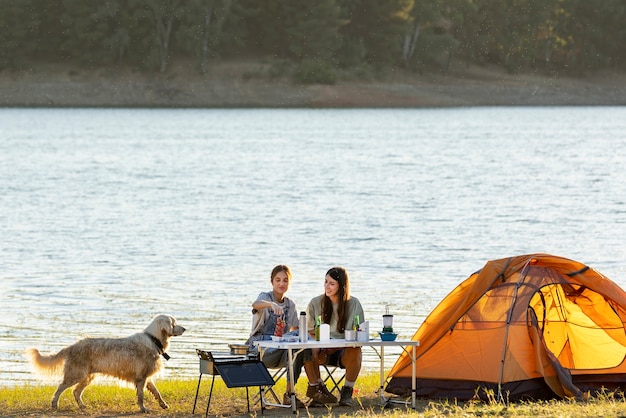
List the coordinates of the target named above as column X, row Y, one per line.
column 317, row 38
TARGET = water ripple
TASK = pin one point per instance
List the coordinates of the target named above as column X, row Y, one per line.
column 110, row 216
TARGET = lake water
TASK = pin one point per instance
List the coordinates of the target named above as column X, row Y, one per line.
column 109, row 217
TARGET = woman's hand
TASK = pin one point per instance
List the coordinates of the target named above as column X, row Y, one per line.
column 275, row 307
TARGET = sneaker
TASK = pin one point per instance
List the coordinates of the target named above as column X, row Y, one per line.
column 287, row 401
column 317, row 394
column 346, row 396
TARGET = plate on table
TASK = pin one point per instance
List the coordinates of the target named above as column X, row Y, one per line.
column 291, row 338
column 285, row 339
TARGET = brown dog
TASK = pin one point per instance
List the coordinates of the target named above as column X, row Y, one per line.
column 133, row 359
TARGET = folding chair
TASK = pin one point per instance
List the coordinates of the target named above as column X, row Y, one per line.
column 331, row 381
column 268, row 391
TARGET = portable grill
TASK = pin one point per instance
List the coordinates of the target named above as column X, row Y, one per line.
column 236, row 370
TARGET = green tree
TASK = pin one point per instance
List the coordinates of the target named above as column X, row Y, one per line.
column 507, row 31
column 94, row 32
column 294, row 29
column 19, row 23
column 465, row 29
column 317, row 35
column 374, row 31
column 312, row 28
column 590, row 34
column 164, row 14
column 202, row 29
column 428, row 39
column 262, row 26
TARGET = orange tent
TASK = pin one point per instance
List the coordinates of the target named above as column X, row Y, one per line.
column 533, row 326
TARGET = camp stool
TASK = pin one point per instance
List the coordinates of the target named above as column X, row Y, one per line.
column 334, row 375
column 268, row 391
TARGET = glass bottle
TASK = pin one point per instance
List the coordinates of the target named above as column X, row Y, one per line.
column 318, row 322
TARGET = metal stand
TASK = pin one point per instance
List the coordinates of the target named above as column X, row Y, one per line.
column 236, row 372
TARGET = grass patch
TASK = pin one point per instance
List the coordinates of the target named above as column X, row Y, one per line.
column 112, row 399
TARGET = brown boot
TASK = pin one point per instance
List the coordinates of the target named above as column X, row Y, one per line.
column 316, row 393
column 346, row 396
column 324, row 389
column 287, row 401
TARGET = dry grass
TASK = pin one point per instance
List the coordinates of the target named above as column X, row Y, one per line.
column 108, row 400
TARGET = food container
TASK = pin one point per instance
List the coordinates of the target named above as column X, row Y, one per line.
column 388, row 336
column 324, row 332
column 239, row 349
column 362, row 336
column 290, row 338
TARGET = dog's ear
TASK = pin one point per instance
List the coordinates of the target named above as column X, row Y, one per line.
column 167, row 325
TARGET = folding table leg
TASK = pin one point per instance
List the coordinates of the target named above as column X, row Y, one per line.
column 292, row 380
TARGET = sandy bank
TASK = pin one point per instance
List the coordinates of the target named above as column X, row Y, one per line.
column 243, row 85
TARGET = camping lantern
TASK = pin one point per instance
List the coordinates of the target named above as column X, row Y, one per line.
column 387, row 320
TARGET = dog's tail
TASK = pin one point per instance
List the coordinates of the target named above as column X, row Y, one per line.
column 46, row 365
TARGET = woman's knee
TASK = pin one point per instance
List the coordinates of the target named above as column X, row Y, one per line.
column 351, row 360
column 351, row 354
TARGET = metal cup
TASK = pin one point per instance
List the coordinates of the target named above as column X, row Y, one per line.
column 350, row 335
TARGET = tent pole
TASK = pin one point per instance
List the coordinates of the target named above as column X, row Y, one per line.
column 522, row 275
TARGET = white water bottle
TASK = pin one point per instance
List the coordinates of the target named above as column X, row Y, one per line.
column 302, row 331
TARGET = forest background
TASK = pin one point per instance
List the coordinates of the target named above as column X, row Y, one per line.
column 316, row 53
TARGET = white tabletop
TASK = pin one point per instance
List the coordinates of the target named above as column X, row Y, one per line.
column 335, row 343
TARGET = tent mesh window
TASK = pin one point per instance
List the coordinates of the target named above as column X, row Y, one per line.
column 577, row 321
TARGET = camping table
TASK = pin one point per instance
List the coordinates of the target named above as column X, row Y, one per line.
column 293, row 348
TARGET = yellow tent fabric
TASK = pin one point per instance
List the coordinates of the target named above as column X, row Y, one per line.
column 535, row 326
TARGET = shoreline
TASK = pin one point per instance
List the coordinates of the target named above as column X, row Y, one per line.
column 246, row 85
